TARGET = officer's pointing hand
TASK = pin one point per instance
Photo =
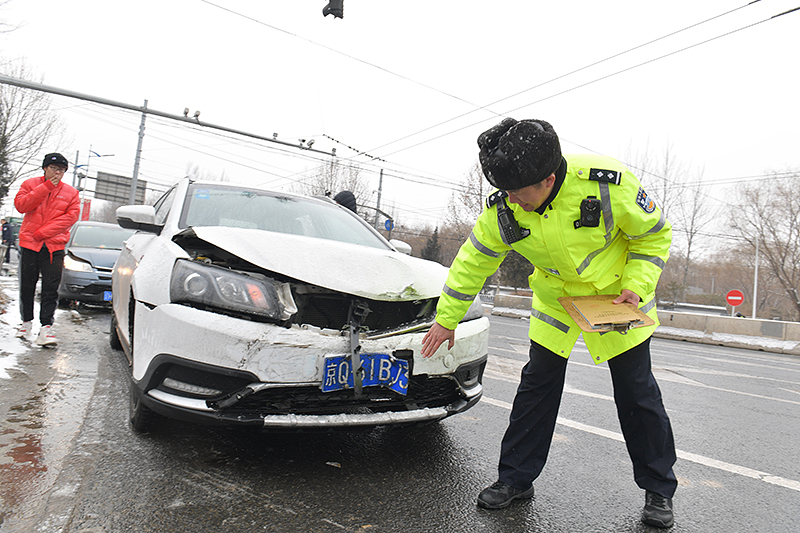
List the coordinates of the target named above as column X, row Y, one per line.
column 628, row 296
column 435, row 337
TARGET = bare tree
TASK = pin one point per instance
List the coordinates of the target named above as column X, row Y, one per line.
column 466, row 204
column 450, row 240
column 193, row 169
column 463, row 209
column 662, row 175
column 335, row 177
column 678, row 191
column 28, row 127
column 768, row 217
column 689, row 218
column 5, row 27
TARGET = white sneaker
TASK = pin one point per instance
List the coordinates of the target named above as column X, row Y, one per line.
column 46, row 337
column 24, row 330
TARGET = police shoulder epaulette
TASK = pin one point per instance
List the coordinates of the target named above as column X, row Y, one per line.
column 495, row 198
column 605, row 176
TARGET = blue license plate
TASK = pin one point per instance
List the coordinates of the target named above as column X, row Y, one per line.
column 106, row 296
column 380, row 369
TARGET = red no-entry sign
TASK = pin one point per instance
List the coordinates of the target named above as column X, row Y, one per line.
column 734, row 297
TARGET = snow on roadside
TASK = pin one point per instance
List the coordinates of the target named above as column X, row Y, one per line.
column 693, row 335
column 757, row 342
column 11, row 348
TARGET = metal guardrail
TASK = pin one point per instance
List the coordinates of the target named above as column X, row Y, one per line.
column 487, row 299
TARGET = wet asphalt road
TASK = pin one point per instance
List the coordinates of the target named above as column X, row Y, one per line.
column 69, row 462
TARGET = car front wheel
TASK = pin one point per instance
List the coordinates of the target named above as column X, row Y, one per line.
column 141, row 417
column 113, row 336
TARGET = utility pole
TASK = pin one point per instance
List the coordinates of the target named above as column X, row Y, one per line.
column 380, row 190
column 132, row 197
column 75, row 167
column 755, row 282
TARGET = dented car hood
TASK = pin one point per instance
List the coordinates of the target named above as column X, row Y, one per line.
column 359, row 270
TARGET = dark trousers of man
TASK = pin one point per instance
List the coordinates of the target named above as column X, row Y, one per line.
column 645, row 424
column 31, row 264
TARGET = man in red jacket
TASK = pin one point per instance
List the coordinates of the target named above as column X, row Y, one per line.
column 50, row 207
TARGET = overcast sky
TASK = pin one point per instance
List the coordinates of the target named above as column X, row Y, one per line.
column 406, row 87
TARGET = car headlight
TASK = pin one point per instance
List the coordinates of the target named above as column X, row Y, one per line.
column 70, row 263
column 212, row 286
column 475, row 310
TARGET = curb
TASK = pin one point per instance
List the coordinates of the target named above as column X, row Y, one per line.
column 747, row 342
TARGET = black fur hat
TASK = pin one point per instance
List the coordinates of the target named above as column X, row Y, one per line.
column 515, row 154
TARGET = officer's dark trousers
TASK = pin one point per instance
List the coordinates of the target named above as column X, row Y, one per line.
column 31, row 264
column 644, row 422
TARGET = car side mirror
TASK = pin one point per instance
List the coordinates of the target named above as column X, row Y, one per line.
column 400, row 246
column 138, row 217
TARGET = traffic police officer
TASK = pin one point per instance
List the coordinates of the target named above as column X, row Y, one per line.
column 588, row 227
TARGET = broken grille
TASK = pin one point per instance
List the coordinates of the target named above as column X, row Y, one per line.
column 331, row 312
column 422, row 392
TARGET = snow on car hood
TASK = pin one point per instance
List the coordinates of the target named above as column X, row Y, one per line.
column 359, row 270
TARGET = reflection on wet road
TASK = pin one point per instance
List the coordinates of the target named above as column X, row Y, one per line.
column 69, row 462
column 45, row 393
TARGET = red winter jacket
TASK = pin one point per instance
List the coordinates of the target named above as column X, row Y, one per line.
column 50, row 211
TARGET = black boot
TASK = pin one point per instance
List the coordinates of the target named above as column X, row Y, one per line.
column 657, row 510
column 500, row 495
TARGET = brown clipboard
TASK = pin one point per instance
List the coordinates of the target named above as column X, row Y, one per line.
column 598, row 313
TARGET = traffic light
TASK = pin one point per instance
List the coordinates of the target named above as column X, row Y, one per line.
column 335, row 8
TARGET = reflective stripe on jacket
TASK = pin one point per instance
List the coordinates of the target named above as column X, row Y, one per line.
column 50, row 211
column 627, row 250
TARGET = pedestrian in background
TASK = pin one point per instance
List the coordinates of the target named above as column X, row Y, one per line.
column 348, row 200
column 50, row 208
column 8, row 239
column 589, row 228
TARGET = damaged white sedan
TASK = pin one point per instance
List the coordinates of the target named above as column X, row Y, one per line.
column 241, row 306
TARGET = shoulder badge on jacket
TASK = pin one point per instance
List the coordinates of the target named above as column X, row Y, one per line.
column 495, row 198
column 605, row 176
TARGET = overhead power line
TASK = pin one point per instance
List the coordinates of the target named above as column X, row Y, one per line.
column 565, row 75
column 195, row 120
column 602, row 78
column 443, row 183
column 339, row 52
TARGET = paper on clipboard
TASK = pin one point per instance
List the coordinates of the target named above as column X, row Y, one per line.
column 599, row 314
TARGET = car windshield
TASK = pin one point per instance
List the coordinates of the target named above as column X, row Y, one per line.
column 106, row 237
column 269, row 211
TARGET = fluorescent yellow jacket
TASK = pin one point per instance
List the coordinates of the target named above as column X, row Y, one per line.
column 627, row 250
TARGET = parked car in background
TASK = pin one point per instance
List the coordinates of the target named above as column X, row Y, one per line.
column 89, row 258
column 241, row 306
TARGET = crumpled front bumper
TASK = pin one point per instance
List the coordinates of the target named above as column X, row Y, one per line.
column 198, row 411
column 279, row 358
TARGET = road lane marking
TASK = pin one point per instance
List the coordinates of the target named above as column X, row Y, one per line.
column 662, row 374
column 728, row 374
column 567, row 387
column 731, row 361
column 686, row 456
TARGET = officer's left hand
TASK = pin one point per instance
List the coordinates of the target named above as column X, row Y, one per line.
column 628, row 296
